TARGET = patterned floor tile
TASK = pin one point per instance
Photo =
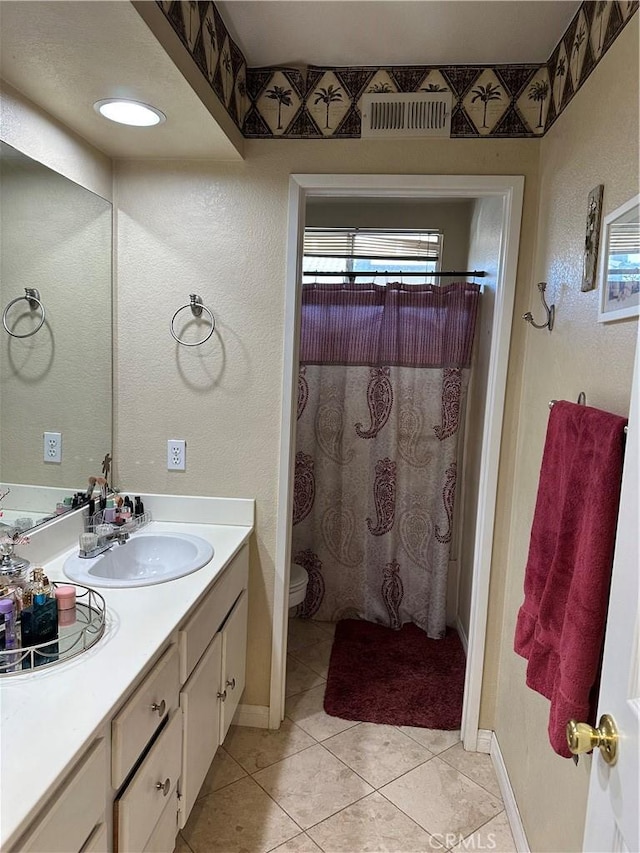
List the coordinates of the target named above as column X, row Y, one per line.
column 316, row 656
column 377, row 753
column 255, row 749
column 300, row 677
column 372, row 825
column 181, row 846
column 435, row 740
column 300, row 844
column 475, row 765
column 307, row 711
column 495, row 835
column 303, row 632
column 312, row 785
column 223, row 771
column 442, row 800
column 328, row 627
column 236, row 819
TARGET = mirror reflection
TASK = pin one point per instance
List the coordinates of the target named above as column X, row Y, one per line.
column 56, row 337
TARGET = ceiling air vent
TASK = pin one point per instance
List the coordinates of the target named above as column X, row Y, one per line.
column 414, row 114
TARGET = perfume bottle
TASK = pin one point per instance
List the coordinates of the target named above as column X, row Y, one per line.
column 39, row 624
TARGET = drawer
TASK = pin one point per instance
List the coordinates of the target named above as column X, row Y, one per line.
column 163, row 837
column 77, row 806
column 196, row 634
column 136, row 723
column 139, row 808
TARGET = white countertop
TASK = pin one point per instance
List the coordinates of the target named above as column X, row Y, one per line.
column 49, row 717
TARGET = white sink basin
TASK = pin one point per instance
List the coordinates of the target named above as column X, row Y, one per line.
column 145, row 559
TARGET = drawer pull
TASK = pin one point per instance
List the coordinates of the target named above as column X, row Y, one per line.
column 232, row 684
column 165, row 786
column 161, row 708
column 222, row 695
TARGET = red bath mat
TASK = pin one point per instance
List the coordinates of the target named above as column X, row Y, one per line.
column 401, row 678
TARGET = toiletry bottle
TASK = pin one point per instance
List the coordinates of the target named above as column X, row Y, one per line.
column 8, row 613
column 139, row 510
column 40, row 625
column 110, row 511
column 128, row 503
column 126, row 510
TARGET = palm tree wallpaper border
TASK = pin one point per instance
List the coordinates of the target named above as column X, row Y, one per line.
column 322, row 102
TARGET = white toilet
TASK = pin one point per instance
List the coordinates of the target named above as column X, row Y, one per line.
column 297, row 584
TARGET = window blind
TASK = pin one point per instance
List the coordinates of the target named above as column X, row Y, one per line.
column 369, row 244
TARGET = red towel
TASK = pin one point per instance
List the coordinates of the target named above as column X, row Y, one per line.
column 561, row 624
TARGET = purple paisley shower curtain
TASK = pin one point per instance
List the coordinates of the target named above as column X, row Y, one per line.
column 383, row 376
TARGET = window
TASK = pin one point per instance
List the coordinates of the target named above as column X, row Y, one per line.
column 341, row 255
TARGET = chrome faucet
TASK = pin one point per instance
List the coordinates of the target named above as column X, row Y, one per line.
column 119, row 537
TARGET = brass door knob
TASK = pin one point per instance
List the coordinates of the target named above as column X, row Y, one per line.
column 582, row 737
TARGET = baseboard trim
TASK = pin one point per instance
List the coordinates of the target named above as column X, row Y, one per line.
column 462, row 635
column 484, row 741
column 256, row 716
column 508, row 797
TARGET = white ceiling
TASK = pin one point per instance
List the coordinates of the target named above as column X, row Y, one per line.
column 396, row 32
column 64, row 55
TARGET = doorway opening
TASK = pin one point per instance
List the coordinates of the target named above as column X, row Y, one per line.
column 493, row 205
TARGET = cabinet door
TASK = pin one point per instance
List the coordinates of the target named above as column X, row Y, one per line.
column 201, row 724
column 234, row 660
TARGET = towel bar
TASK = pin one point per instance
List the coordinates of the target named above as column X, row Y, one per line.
column 582, row 401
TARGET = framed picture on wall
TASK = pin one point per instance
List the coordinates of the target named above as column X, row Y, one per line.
column 620, row 267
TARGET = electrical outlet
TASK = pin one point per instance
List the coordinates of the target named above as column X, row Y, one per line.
column 52, row 450
column 176, row 454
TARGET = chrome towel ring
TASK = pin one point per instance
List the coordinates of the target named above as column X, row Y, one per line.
column 197, row 307
column 33, row 298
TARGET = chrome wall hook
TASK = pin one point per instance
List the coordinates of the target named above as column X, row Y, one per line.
column 550, row 309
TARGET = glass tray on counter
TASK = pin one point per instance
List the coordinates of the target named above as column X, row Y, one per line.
column 72, row 639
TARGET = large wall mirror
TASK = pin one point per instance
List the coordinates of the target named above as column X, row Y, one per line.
column 56, row 337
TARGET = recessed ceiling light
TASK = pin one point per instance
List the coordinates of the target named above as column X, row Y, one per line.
column 129, row 112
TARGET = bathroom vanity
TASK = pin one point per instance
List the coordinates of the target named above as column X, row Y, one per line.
column 108, row 751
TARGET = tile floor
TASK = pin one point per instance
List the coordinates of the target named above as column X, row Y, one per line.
column 325, row 784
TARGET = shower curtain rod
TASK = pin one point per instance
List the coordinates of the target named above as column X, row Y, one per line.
column 374, row 273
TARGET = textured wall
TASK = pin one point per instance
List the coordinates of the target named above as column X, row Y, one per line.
column 220, row 230
column 594, row 141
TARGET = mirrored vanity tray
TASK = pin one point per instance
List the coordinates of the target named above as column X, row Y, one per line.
column 72, row 640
